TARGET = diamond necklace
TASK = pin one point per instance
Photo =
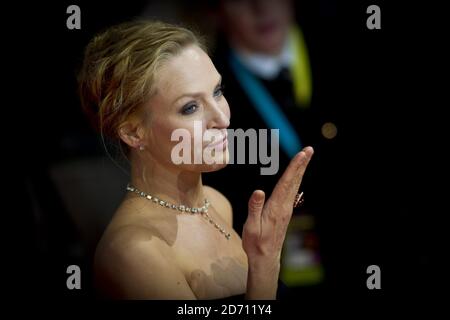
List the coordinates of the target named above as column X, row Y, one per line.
column 182, row 208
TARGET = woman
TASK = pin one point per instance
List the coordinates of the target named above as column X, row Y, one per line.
column 172, row 237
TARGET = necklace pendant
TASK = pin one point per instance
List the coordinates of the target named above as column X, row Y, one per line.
column 202, row 210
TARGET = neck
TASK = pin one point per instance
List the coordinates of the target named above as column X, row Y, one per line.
column 167, row 183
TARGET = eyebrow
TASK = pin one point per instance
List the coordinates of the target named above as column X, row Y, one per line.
column 196, row 94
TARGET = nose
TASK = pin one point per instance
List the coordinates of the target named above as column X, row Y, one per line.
column 219, row 116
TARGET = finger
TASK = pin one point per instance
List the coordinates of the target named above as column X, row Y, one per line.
column 256, row 204
column 252, row 226
column 289, row 183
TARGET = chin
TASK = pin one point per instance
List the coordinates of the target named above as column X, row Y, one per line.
column 222, row 161
column 217, row 162
column 213, row 167
column 271, row 43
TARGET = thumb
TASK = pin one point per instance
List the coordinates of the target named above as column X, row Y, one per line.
column 256, row 204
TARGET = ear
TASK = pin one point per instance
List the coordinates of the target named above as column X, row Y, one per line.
column 132, row 133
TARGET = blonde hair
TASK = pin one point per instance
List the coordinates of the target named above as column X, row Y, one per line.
column 120, row 66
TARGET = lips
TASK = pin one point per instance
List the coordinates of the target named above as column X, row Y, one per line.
column 218, row 142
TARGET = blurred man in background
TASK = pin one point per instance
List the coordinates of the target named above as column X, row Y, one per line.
column 273, row 81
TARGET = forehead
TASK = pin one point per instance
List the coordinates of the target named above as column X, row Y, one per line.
column 190, row 71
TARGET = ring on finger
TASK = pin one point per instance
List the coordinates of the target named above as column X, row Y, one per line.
column 298, row 200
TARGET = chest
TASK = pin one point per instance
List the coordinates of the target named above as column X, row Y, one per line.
column 213, row 266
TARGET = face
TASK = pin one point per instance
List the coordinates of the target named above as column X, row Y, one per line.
column 188, row 100
column 257, row 25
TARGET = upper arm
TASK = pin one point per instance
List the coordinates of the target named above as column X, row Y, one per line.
column 226, row 211
column 141, row 270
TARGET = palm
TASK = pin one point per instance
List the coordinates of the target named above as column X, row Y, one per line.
column 265, row 229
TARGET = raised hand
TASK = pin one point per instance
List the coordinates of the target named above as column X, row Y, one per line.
column 266, row 225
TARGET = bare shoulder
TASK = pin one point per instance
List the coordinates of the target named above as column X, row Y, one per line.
column 221, row 203
column 128, row 238
column 134, row 262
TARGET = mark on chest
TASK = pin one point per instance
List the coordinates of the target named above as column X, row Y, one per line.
column 221, row 278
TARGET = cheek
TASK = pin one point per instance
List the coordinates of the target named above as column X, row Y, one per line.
column 161, row 136
column 160, row 132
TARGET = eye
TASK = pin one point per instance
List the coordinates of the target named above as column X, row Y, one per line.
column 219, row 90
column 189, row 108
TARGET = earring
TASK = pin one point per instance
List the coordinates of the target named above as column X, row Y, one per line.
column 141, row 148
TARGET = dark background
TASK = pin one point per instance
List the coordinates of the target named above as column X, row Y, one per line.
column 386, row 198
